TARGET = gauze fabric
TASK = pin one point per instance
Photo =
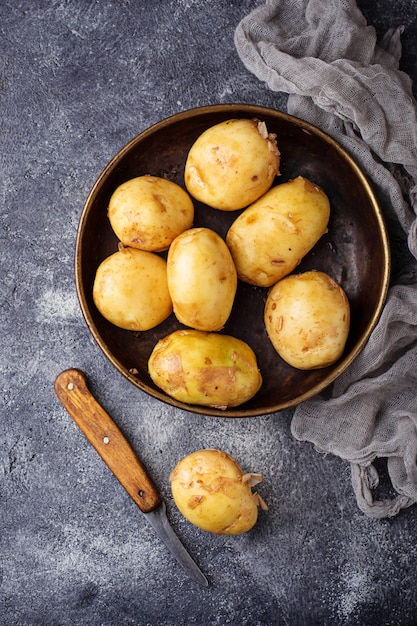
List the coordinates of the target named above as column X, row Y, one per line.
column 339, row 78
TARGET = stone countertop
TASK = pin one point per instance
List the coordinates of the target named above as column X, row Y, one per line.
column 79, row 80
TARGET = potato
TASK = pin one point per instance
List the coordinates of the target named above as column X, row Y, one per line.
column 130, row 289
column 202, row 279
column 307, row 318
column 232, row 164
column 212, row 492
column 148, row 212
column 269, row 238
column 203, row 368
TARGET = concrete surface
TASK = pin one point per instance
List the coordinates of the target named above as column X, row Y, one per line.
column 78, row 80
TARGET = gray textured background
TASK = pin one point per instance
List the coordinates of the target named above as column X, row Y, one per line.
column 78, row 80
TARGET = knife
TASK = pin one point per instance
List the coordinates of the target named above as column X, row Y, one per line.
column 107, row 439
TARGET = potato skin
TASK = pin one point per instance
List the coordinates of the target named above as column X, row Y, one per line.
column 307, row 318
column 130, row 289
column 148, row 212
column 208, row 489
column 269, row 239
column 202, row 279
column 203, row 368
column 231, row 164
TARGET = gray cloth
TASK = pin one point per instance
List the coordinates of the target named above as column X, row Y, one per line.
column 323, row 54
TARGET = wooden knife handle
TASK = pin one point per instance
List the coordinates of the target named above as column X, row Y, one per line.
column 105, row 436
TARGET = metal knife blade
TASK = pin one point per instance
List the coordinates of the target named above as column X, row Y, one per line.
column 110, row 443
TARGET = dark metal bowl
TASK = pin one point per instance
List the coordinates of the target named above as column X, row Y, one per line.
column 355, row 252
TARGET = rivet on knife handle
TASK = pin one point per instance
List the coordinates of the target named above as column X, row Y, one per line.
column 107, row 439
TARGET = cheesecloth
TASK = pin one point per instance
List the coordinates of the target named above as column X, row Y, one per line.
column 339, row 78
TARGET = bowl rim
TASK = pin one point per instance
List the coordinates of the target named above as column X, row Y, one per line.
column 341, row 366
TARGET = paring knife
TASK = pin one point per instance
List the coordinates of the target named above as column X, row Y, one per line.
column 105, row 436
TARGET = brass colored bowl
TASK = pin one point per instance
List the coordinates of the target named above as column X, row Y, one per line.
column 355, row 252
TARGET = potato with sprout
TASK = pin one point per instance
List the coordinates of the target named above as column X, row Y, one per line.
column 207, row 369
column 212, row 492
column 232, row 163
column 130, row 289
column 307, row 318
column 148, row 212
column 269, row 238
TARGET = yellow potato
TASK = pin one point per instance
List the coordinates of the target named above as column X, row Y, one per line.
column 307, row 318
column 212, row 492
column 202, row 279
column 203, row 368
column 232, row 164
column 131, row 291
column 269, row 238
column 148, row 212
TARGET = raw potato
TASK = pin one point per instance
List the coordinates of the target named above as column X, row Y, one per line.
column 203, row 368
column 212, row 492
column 202, row 279
column 307, row 318
column 232, row 164
column 269, row 239
column 131, row 291
column 148, row 212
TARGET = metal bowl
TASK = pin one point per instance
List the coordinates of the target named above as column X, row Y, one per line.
column 355, row 251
